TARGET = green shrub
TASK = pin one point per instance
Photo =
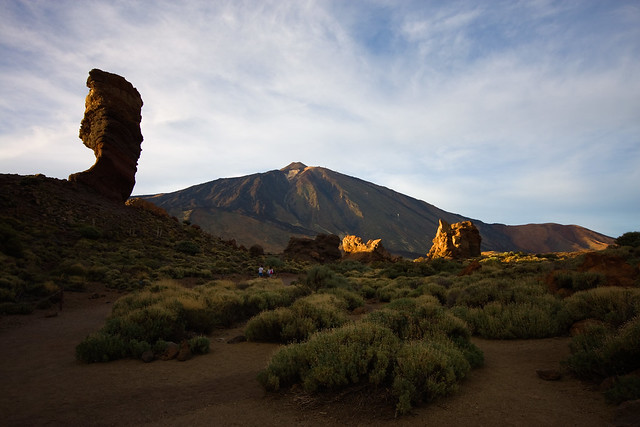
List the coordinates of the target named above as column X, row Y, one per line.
column 431, row 288
column 392, row 291
column 370, row 353
column 188, row 247
column 320, row 276
column 631, row 238
column 225, row 306
column 97, row 273
column 578, row 280
column 356, row 353
column 75, row 269
column 164, row 312
column 601, row 352
column 89, row 232
column 296, row 323
column 268, row 326
column 419, row 318
column 274, row 262
column 327, row 311
column 16, row 308
column 442, row 265
column 101, row 347
column 199, row 345
column 609, row 304
column 256, row 300
column 539, row 318
column 368, row 287
column 137, row 348
column 160, row 347
column 349, row 267
column 148, row 324
column 425, row 371
column 410, row 269
column 624, row 388
column 352, row 299
column 485, row 291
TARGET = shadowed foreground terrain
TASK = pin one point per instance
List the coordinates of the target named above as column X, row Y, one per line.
column 68, row 255
column 43, row 384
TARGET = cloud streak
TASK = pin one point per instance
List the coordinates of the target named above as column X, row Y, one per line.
column 512, row 112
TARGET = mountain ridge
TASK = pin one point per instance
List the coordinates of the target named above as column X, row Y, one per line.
column 268, row 208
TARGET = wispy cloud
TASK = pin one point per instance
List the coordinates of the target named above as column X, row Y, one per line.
column 508, row 112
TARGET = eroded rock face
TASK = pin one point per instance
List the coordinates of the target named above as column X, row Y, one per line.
column 111, row 128
column 355, row 249
column 456, row 241
column 324, row 248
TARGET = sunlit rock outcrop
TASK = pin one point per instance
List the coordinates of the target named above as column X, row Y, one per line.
column 355, row 249
column 456, row 241
column 111, row 128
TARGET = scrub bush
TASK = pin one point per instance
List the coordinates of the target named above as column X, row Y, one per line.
column 624, row 388
column 610, row 304
column 419, row 318
column 352, row 299
column 372, row 354
column 296, row 323
column 329, row 360
column 320, row 276
column 601, row 352
column 425, row 371
column 540, row 317
column 199, row 345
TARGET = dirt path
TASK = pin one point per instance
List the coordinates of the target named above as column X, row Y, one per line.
column 43, row 384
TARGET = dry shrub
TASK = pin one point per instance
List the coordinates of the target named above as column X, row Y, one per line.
column 296, row 323
column 601, row 351
column 610, row 304
column 541, row 317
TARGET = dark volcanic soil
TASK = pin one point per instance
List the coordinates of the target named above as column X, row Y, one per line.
column 43, row 384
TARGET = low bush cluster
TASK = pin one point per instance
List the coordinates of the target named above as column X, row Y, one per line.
column 541, row 317
column 167, row 311
column 370, row 353
column 602, row 351
column 613, row 305
column 297, row 322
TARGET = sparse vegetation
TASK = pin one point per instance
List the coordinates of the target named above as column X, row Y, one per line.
column 177, row 287
column 631, row 238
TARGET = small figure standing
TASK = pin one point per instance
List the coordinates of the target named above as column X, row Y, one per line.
column 260, row 271
column 270, row 271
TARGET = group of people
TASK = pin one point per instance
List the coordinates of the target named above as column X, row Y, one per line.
column 261, row 270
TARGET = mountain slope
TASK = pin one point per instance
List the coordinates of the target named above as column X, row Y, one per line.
column 268, row 208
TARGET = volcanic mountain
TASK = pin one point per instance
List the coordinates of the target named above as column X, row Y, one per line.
column 268, row 208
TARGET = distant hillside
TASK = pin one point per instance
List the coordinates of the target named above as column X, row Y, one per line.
column 268, row 208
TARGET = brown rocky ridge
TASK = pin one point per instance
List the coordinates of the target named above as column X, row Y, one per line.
column 111, row 128
column 324, row 248
column 456, row 241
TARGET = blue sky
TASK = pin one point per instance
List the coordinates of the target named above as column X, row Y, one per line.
column 509, row 112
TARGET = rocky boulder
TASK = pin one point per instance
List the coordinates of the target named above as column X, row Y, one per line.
column 324, row 248
column 355, row 249
column 111, row 128
column 456, row 241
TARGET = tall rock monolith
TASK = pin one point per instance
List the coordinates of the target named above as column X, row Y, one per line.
column 456, row 241
column 111, row 128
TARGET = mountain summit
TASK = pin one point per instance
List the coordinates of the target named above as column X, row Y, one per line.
column 297, row 200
